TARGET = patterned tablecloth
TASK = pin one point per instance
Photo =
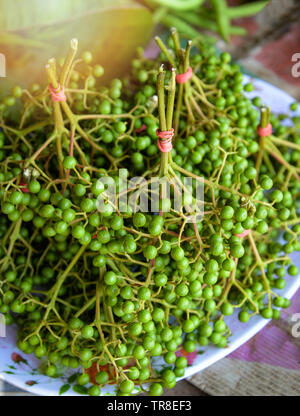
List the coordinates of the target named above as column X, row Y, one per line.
column 268, row 364
column 9, row 390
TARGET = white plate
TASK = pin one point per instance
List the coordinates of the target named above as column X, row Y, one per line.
column 20, row 373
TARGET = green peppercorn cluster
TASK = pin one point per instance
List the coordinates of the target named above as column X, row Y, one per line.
column 106, row 290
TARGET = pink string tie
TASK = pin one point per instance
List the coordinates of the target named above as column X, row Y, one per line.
column 182, row 78
column 142, row 128
column 96, row 234
column 264, row 131
column 243, row 234
column 24, row 187
column 57, row 94
column 164, row 141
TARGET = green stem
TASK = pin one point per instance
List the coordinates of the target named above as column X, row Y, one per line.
column 261, row 266
column 13, row 238
column 264, row 116
column 69, row 60
column 55, row 289
column 178, row 4
column 165, row 51
column 161, row 98
column 162, row 117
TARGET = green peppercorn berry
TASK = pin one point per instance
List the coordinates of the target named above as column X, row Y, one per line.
column 293, row 270
column 227, row 212
column 294, row 106
column 16, row 197
column 110, row 278
column 87, row 332
column 244, row 316
column 87, row 57
column 158, row 314
column 105, row 107
column 120, row 127
column 99, row 260
column 34, row 186
column 68, row 215
column 94, row 391
column 51, row 371
column 161, row 279
column 237, row 250
column 188, row 326
column 177, row 253
column 266, row 182
column 40, row 351
column 83, row 379
column 181, row 362
column 142, row 76
column 276, row 196
column 98, row 71
column 150, row 252
column 79, row 189
column 69, row 162
column 139, row 220
column 144, row 293
column 126, row 386
column 248, row 87
column 267, row 313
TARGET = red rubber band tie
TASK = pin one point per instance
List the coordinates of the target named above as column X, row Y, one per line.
column 265, row 131
column 96, row 234
column 57, row 94
column 182, row 78
column 164, row 141
column 142, row 128
column 23, row 186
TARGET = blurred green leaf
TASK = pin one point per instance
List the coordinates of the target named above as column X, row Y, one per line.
column 176, row 4
column 246, row 10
